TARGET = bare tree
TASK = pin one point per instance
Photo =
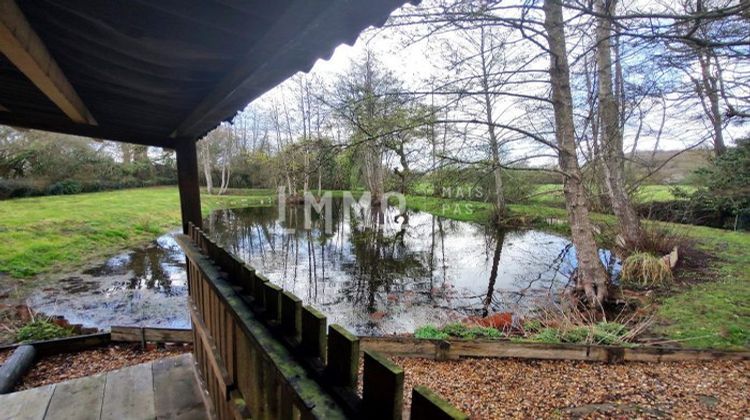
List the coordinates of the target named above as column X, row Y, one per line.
column 611, row 127
column 591, row 277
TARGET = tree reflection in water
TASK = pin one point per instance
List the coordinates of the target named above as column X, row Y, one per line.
column 382, row 272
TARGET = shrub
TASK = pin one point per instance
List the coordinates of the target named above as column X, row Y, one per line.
column 430, row 332
column 18, row 188
column 457, row 330
column 547, row 335
column 642, row 269
column 67, row 186
column 42, row 330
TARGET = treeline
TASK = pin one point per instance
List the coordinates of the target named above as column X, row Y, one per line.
column 35, row 163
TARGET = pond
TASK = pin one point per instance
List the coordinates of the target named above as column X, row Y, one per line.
column 374, row 272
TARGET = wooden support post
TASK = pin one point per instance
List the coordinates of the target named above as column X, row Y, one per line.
column 427, row 405
column 291, row 312
column 313, row 333
column 187, row 180
column 343, row 357
column 382, row 388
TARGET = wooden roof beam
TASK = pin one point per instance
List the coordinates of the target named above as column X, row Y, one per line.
column 23, row 47
column 233, row 83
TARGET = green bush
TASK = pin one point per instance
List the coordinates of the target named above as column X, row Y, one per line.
column 67, row 186
column 457, row 330
column 38, row 330
column 430, row 332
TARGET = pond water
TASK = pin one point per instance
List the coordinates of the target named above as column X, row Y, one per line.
column 374, row 272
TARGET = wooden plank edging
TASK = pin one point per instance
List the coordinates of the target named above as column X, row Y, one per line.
column 153, row 335
column 432, row 349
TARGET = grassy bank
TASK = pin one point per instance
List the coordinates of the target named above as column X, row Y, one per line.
column 63, row 232
column 714, row 312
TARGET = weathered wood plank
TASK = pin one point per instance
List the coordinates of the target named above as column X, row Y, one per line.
column 23, row 47
column 79, row 399
column 413, row 347
column 176, row 393
column 343, row 357
column 129, row 393
column 215, row 361
column 427, row 405
column 313, row 333
column 156, row 335
column 65, row 345
column 26, row 405
column 382, row 388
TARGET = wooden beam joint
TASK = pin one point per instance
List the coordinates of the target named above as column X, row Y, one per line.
column 23, row 47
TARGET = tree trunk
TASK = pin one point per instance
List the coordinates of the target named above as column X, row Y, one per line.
column 500, row 208
column 591, row 277
column 711, row 91
column 206, row 160
column 611, row 138
column 127, row 153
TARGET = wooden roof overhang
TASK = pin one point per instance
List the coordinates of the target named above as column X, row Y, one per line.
column 160, row 72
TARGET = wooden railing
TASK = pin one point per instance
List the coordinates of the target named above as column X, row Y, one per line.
column 260, row 353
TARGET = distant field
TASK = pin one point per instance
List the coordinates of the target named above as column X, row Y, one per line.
column 553, row 193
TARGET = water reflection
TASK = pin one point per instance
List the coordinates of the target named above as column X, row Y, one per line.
column 382, row 272
column 375, row 272
column 144, row 287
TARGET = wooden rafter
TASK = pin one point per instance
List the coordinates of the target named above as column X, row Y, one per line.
column 27, row 52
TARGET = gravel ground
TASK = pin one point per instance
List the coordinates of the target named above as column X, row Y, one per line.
column 62, row 367
column 509, row 388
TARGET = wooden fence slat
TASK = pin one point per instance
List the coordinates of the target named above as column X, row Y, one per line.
column 427, row 405
column 291, row 313
column 272, row 301
column 246, row 279
column 259, row 296
column 216, row 363
column 382, row 388
column 313, row 333
column 343, row 357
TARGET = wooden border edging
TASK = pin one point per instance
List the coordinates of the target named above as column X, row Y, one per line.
column 65, row 345
column 153, row 335
column 436, row 349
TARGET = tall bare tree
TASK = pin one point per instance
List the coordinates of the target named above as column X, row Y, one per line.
column 591, row 276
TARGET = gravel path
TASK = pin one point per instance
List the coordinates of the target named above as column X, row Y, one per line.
column 509, row 388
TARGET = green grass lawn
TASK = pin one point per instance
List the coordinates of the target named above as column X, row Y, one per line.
column 63, row 232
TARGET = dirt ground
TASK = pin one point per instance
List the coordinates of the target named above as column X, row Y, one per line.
column 509, row 388
column 62, row 367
